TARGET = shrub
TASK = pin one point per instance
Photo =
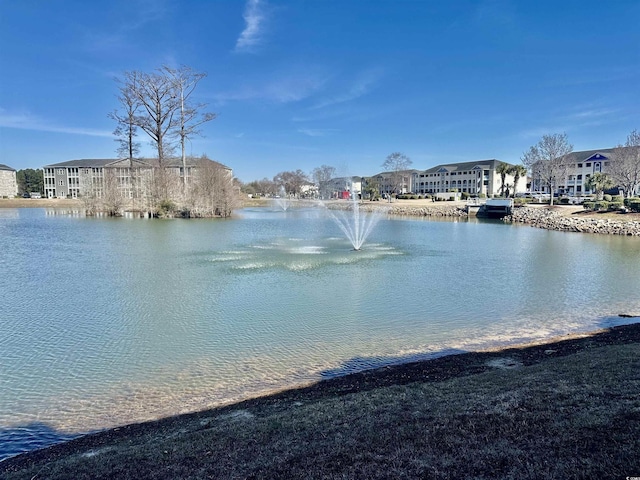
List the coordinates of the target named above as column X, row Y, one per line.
column 564, row 201
column 617, row 198
column 464, row 195
column 601, row 205
column 634, row 204
column 166, row 207
column 607, row 197
column 589, row 205
column 613, row 206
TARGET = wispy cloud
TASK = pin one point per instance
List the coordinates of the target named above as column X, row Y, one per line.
column 362, row 85
column 592, row 114
column 26, row 121
column 576, row 118
column 252, row 35
column 285, row 88
column 317, row 132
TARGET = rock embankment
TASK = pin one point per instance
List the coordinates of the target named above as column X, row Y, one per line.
column 407, row 210
column 553, row 220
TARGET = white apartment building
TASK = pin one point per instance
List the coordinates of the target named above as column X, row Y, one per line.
column 475, row 178
column 580, row 166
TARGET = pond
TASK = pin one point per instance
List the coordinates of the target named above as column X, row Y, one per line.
column 112, row 321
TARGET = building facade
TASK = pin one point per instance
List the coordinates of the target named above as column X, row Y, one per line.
column 132, row 179
column 8, row 182
column 390, row 183
column 579, row 166
column 475, row 178
column 345, row 187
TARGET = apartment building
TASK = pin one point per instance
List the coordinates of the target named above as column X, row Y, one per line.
column 75, row 178
column 8, row 182
column 475, row 178
column 579, row 167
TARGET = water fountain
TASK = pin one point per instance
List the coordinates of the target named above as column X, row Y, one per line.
column 355, row 225
column 281, row 201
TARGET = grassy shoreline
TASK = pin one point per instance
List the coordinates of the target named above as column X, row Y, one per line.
column 567, row 409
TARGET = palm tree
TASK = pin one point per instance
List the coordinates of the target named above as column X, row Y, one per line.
column 599, row 182
column 518, row 172
column 503, row 171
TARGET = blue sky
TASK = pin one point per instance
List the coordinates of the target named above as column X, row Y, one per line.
column 299, row 84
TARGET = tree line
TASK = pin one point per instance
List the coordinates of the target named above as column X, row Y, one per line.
column 293, row 182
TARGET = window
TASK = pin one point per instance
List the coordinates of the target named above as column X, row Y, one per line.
column 579, row 177
column 580, row 165
column 588, row 165
column 61, row 171
column 61, row 183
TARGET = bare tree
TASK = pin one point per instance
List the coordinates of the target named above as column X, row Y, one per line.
column 548, row 160
column 91, row 187
column 190, row 115
column 112, row 199
column 397, row 163
column 126, row 120
column 155, row 93
column 291, row 181
column 214, row 190
column 127, row 129
column 624, row 165
column 321, row 176
column 263, row 187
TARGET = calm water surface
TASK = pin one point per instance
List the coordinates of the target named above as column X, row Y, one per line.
column 110, row 321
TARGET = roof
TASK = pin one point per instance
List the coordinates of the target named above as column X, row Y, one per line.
column 6, row 167
column 586, row 155
column 103, row 162
column 391, row 173
column 463, row 166
column 84, row 162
